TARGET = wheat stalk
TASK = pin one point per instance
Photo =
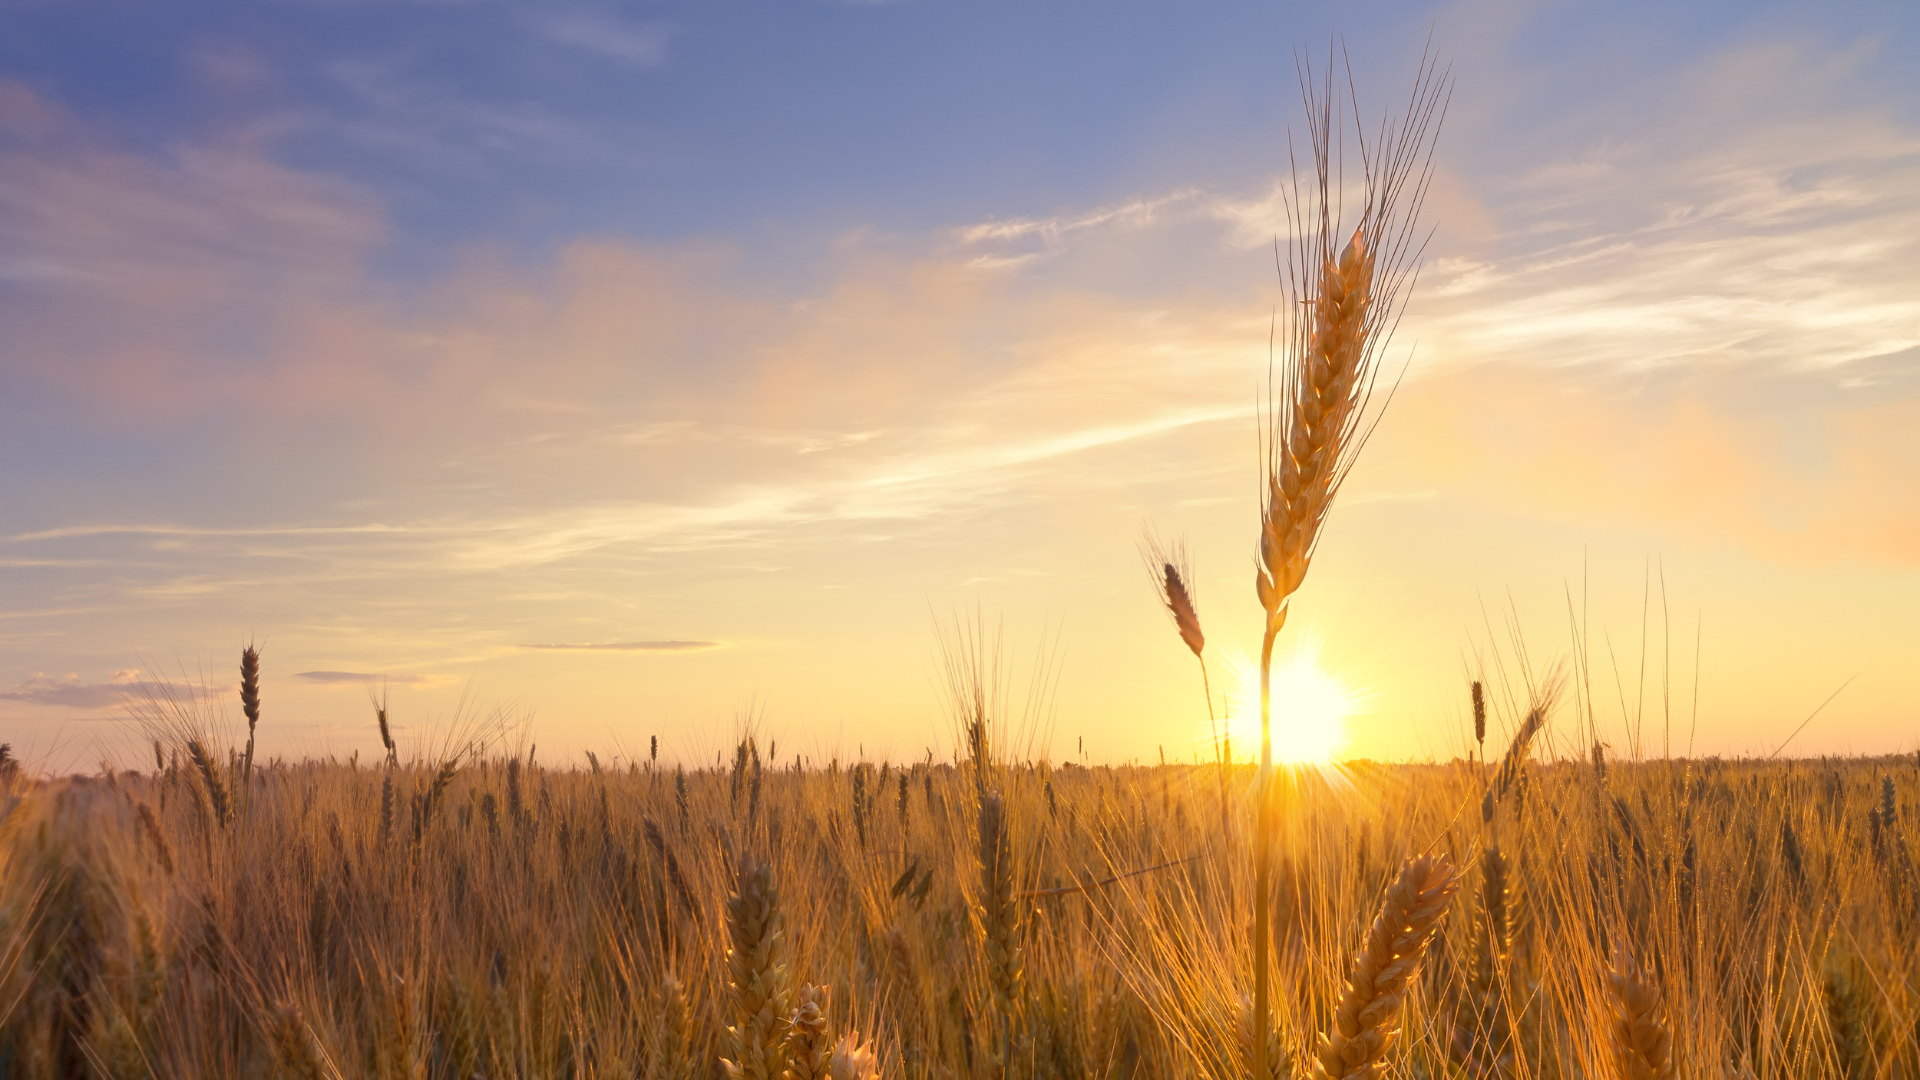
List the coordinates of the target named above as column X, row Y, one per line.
column 1367, row 1018
column 759, row 980
column 249, row 704
column 999, row 917
column 1173, row 581
column 436, row 792
column 1522, row 744
column 1340, row 312
column 999, row 914
column 216, row 786
column 682, row 892
column 151, row 825
column 1642, row 1042
column 386, row 731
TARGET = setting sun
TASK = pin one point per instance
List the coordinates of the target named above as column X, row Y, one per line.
column 1310, row 711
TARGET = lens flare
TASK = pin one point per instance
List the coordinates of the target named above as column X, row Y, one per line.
column 1310, row 711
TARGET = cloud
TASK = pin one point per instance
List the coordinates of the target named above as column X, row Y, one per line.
column 1015, row 242
column 363, row 677
column 638, row 646
column 435, row 126
column 72, row 691
column 641, row 46
column 203, row 223
column 1792, row 465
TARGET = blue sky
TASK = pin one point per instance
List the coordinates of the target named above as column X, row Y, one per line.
column 530, row 124
column 405, row 335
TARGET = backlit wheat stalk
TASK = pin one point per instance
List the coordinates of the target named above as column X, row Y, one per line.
column 1344, row 285
column 250, row 705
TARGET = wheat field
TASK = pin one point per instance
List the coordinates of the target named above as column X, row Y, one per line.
column 960, row 918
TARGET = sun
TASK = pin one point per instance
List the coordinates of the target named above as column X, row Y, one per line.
column 1310, row 711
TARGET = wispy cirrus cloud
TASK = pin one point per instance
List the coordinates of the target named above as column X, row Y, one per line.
column 668, row 646
column 641, row 45
column 368, row 677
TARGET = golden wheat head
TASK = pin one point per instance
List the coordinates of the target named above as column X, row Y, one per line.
column 761, row 1005
column 1367, row 1018
column 1642, row 1040
column 810, row 1036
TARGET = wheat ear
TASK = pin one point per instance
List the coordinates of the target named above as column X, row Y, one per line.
column 999, row 913
column 300, row 1056
column 386, row 730
column 1279, row 1065
column 676, row 1029
column 1479, row 696
column 1173, row 581
column 1328, row 383
column 436, row 793
column 809, row 1036
column 760, row 998
column 1367, row 1019
column 1521, row 746
column 1494, row 893
column 1849, row 1022
column 900, row 962
column 853, row 1059
column 249, row 704
column 210, row 775
column 151, row 825
column 1641, row 1039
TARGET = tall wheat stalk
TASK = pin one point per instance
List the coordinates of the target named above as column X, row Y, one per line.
column 1173, row 581
column 249, row 704
column 1342, row 302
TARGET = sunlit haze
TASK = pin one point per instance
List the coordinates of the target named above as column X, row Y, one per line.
column 629, row 369
column 1311, row 709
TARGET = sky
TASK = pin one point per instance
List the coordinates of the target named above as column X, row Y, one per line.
column 586, row 373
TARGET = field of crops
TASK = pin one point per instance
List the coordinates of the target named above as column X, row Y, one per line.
column 975, row 917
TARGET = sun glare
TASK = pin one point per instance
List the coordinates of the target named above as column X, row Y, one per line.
column 1310, row 711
